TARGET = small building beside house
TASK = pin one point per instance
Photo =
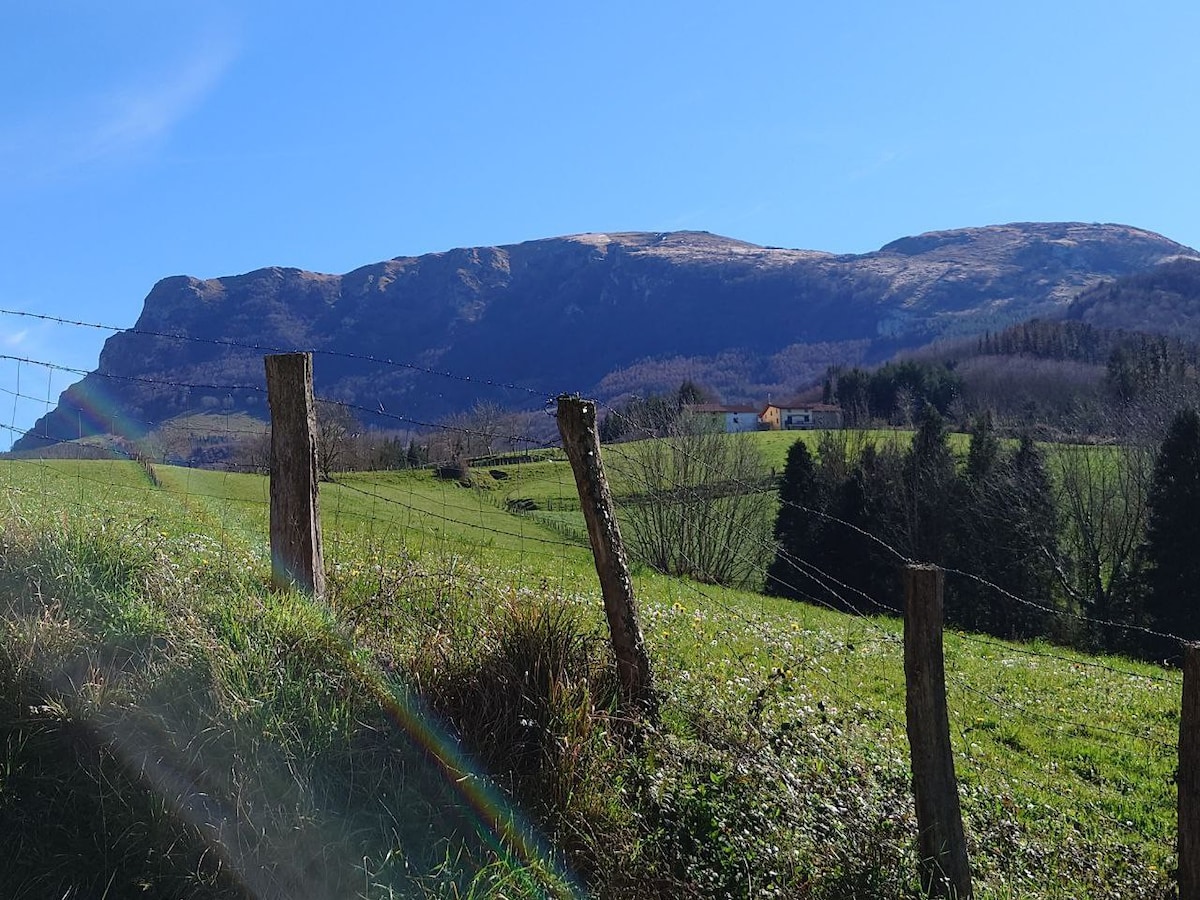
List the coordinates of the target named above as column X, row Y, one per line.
column 732, row 418
column 795, row 416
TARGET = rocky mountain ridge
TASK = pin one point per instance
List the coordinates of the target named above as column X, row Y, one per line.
column 605, row 314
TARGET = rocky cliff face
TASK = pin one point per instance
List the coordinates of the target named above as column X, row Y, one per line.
column 580, row 313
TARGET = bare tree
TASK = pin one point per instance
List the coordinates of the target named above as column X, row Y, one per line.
column 486, row 428
column 252, row 452
column 698, row 503
column 337, row 430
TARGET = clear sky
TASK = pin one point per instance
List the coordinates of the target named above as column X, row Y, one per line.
column 145, row 138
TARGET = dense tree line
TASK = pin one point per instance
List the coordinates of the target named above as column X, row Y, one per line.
column 1135, row 363
column 1052, row 339
column 1064, row 379
column 893, row 392
column 1033, row 547
column 855, row 520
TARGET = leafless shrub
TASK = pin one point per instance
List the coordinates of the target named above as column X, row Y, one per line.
column 698, row 503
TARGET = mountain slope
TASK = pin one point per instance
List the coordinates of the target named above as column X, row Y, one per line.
column 583, row 312
column 1163, row 300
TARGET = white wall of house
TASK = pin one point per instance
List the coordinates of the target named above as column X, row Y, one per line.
column 741, row 421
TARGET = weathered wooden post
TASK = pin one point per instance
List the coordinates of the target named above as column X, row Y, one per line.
column 581, row 440
column 945, row 871
column 296, row 557
column 1189, row 777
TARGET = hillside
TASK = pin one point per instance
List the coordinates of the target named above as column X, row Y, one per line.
column 1162, row 300
column 440, row 727
column 608, row 314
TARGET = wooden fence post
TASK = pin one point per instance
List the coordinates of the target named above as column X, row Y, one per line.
column 945, row 871
column 1189, row 777
column 581, row 440
column 296, row 557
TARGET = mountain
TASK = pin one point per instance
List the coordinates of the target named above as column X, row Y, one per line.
column 604, row 314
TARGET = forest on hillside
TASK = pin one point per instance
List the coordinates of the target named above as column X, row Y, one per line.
column 1059, row 380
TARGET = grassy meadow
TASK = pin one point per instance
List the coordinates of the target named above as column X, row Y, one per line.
column 444, row 725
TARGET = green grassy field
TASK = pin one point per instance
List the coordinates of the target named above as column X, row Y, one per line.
column 444, row 727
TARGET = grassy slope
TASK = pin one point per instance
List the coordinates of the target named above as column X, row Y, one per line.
column 782, row 760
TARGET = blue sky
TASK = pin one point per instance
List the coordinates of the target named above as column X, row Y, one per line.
column 145, row 138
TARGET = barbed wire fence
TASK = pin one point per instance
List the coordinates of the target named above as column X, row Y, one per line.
column 529, row 506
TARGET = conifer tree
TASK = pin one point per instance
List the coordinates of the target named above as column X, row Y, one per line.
column 984, row 451
column 1007, row 535
column 979, row 542
column 1032, row 543
column 865, row 503
column 1172, row 547
column 930, row 486
column 797, row 525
